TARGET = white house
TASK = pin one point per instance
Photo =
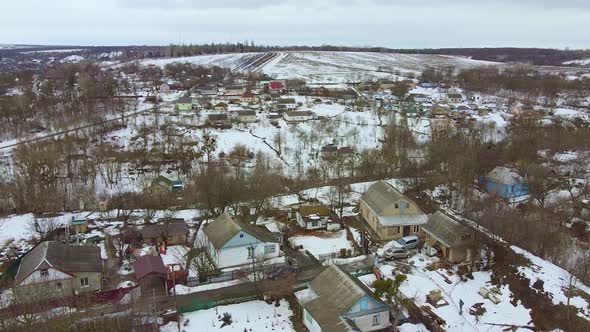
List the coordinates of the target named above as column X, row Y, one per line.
column 288, row 104
column 246, row 116
column 311, row 217
column 234, row 243
column 338, row 302
column 53, row 270
column 295, row 116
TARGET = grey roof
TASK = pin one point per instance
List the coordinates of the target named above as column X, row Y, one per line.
column 246, row 113
column 403, row 219
column 217, row 117
column 164, row 229
column 225, row 227
column 380, row 195
column 446, row 230
column 336, row 293
column 62, row 257
column 184, row 100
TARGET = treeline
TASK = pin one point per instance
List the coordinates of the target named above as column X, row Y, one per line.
column 519, row 83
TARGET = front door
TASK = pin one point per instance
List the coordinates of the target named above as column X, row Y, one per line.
column 406, row 230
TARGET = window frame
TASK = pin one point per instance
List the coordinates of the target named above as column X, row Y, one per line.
column 84, row 282
column 376, row 320
column 250, row 252
column 44, row 273
column 271, row 247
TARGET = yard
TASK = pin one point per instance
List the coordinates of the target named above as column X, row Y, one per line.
column 322, row 242
column 247, row 316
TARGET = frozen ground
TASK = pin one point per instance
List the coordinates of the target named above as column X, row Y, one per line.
column 248, row 316
column 421, row 281
column 322, row 242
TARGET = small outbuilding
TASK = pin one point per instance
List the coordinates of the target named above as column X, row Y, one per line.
column 448, row 239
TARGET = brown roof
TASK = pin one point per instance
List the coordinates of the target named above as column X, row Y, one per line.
column 165, row 229
column 380, row 195
column 321, row 210
column 149, row 265
column 62, row 257
column 446, row 230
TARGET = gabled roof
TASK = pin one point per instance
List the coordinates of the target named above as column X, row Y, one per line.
column 380, row 195
column 217, row 117
column 246, row 113
column 53, row 254
column 336, row 293
column 225, row 227
column 446, row 230
column 149, row 265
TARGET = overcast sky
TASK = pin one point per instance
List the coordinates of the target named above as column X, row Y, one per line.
column 389, row 23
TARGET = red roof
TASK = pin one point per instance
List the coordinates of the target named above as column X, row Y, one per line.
column 276, row 85
column 149, row 265
column 247, row 95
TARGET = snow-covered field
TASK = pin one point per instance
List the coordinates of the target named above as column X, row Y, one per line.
column 248, row 316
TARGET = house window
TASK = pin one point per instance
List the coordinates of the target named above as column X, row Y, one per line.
column 44, row 273
column 376, row 320
column 269, row 249
column 250, row 252
column 59, row 285
column 84, row 282
column 314, row 224
column 396, row 206
column 416, row 229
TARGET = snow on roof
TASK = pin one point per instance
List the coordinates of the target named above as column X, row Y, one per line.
column 504, row 175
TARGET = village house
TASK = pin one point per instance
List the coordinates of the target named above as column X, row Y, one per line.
column 218, row 119
column 298, row 116
column 230, row 242
column 337, row 302
column 448, row 239
column 275, row 87
column 164, row 88
column 55, row 270
column 389, row 213
column 246, row 116
column 234, row 90
column 208, row 91
column 419, row 98
column 287, row 104
column 248, row 97
column 329, row 151
column 505, row 182
column 184, row 104
column 173, row 233
column 312, row 217
column 454, row 98
column 221, row 106
column 164, row 183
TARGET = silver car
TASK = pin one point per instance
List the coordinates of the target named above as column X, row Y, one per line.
column 396, row 253
column 407, row 242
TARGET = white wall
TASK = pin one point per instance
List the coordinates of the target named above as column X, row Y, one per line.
column 233, row 256
column 53, row 274
column 365, row 323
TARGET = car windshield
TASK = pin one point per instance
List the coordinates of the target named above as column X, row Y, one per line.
column 401, row 241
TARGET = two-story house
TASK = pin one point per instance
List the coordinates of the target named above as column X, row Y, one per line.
column 338, row 302
column 231, row 242
column 55, row 270
column 389, row 213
